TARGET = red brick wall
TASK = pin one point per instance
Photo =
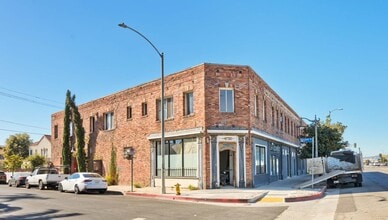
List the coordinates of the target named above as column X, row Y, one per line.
column 204, row 81
column 134, row 132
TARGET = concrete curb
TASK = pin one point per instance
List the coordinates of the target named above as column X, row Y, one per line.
column 196, row 199
column 260, row 198
column 318, row 195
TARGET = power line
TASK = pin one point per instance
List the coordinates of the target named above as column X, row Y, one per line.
column 1, row 129
column 33, row 96
column 29, row 100
column 31, row 126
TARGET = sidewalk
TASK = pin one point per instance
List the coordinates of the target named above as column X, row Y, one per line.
column 279, row 191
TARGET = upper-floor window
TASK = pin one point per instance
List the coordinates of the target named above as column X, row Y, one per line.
column 108, row 121
column 226, row 100
column 188, row 103
column 144, row 109
column 256, row 109
column 281, row 121
column 92, row 124
column 55, row 131
column 129, row 112
column 168, row 109
column 265, row 111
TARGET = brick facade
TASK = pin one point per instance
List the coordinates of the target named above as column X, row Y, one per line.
column 143, row 131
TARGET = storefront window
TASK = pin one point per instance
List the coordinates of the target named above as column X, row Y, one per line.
column 180, row 158
column 260, row 160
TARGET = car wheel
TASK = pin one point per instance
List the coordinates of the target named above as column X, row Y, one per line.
column 76, row 190
column 9, row 184
column 60, row 188
column 41, row 185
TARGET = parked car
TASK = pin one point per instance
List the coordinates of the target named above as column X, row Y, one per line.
column 44, row 176
column 3, row 177
column 83, row 182
column 17, row 179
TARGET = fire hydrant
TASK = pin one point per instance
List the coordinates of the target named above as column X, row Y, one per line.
column 177, row 189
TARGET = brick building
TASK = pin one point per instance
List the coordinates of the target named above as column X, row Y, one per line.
column 223, row 126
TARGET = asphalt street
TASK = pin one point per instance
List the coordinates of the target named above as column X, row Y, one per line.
column 347, row 202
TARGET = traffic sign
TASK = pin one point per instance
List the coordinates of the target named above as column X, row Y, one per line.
column 306, row 140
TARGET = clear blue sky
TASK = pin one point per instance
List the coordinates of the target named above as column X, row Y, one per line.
column 317, row 55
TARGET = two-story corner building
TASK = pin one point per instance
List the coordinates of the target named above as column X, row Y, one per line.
column 223, row 126
column 42, row 147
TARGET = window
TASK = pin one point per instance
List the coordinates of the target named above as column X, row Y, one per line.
column 256, row 109
column 226, row 100
column 129, row 112
column 108, row 121
column 265, row 111
column 168, row 109
column 273, row 116
column 260, row 160
column 92, row 124
column 144, row 109
column 56, row 131
column 180, row 156
column 274, row 165
column 188, row 103
column 281, row 121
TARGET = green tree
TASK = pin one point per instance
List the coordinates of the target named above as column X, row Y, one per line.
column 13, row 162
column 17, row 145
column 113, row 175
column 36, row 160
column 382, row 158
column 72, row 119
column 80, row 137
column 329, row 139
column 66, row 146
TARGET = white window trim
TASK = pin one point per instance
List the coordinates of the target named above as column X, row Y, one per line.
column 219, row 100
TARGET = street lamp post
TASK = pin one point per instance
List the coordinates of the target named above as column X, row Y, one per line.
column 315, row 121
column 328, row 117
column 161, row 102
column 129, row 153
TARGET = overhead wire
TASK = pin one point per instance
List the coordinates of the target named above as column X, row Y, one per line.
column 28, row 100
column 31, row 126
column 26, row 94
column 1, row 129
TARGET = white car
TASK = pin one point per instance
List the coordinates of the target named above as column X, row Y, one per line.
column 83, row 182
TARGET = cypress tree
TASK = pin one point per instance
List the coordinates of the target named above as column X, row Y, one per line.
column 66, row 150
column 80, row 137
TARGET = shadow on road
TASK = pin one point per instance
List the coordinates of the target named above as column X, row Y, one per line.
column 45, row 215
column 8, row 209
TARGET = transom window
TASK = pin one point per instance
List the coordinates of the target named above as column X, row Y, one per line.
column 226, row 100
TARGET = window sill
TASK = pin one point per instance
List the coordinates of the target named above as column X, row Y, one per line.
column 189, row 116
column 110, row 130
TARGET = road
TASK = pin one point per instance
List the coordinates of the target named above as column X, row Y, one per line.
column 367, row 202
column 348, row 202
column 21, row 203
